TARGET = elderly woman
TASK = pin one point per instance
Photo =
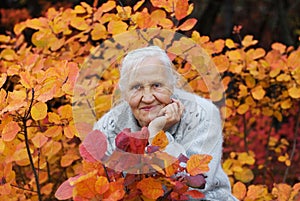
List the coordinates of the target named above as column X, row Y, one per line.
column 193, row 125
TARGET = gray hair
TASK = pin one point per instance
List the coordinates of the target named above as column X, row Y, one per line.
column 138, row 56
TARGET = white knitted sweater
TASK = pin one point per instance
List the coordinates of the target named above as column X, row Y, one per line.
column 199, row 132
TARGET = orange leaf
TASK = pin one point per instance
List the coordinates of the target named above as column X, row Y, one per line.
column 70, row 131
column 39, row 111
column 68, row 159
column 221, row 62
column 10, row 131
column 39, row 140
column 150, row 188
column 79, row 23
column 243, row 108
column 188, row 24
column 160, row 139
column 198, row 164
column 258, row 92
column 53, row 131
column 65, row 111
column 282, row 191
column 26, row 79
column 239, row 190
column 115, row 27
column 279, row 47
column 101, row 185
column 181, row 9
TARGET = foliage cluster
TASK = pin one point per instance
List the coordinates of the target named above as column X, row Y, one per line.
column 39, row 142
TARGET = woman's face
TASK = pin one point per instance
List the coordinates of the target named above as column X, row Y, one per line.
column 148, row 90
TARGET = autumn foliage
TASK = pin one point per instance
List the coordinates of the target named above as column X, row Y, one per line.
column 45, row 82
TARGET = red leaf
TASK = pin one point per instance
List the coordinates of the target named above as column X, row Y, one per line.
column 95, row 144
column 85, row 154
column 188, row 24
column 197, row 181
column 132, row 142
column 195, row 194
column 64, row 191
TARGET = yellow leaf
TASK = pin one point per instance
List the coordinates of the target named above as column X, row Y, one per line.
column 18, row 28
column 4, row 38
column 39, row 140
column 115, row 27
column 26, row 79
column 243, row 108
column 99, row 32
column 282, row 191
column 53, row 118
column 248, row 41
column 2, row 146
column 274, row 72
column 8, row 54
column 245, row 176
column 3, row 78
column 10, row 131
column 234, row 55
column 229, row 43
column 246, row 158
column 294, row 92
column 108, row 6
column 250, row 81
column 286, row 104
column 188, row 24
column 39, row 111
column 138, row 5
column 79, row 9
column 258, row 92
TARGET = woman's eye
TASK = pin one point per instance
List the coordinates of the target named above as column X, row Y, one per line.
column 136, row 87
column 157, row 85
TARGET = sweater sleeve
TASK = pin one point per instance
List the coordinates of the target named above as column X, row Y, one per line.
column 202, row 134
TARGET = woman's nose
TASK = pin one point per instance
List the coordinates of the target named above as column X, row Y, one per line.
column 147, row 95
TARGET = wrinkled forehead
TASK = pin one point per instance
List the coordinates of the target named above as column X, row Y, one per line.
column 149, row 66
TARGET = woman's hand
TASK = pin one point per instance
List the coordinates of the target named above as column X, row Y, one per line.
column 167, row 117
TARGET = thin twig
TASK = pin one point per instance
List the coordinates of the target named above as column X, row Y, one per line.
column 24, row 121
column 22, row 188
column 245, row 133
column 267, row 152
column 294, row 145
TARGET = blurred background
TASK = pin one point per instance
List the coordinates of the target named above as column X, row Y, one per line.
column 268, row 20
